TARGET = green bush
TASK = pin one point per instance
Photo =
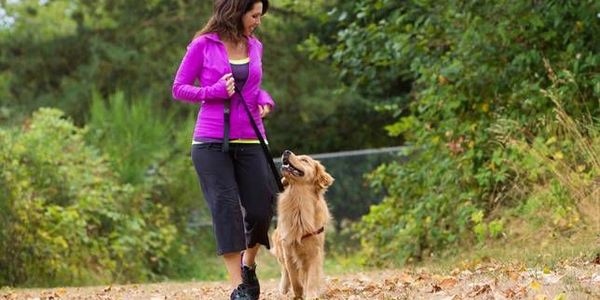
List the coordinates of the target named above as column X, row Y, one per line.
column 150, row 151
column 66, row 217
column 132, row 134
column 474, row 66
column 557, row 172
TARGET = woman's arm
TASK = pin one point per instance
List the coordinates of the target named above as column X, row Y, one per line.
column 265, row 99
column 189, row 69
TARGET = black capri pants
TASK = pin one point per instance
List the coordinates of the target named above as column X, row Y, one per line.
column 236, row 187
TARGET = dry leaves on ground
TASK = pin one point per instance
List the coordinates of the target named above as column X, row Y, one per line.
column 575, row 280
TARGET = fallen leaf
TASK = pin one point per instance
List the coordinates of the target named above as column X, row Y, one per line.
column 552, row 278
column 435, row 288
column 519, row 291
column 535, row 285
column 424, row 276
column 371, row 287
column 455, row 297
column 547, row 270
column 561, row 296
column 448, row 283
column 514, row 276
column 509, row 293
column 405, row 278
column 466, row 274
column 61, row 292
column 436, row 277
column 480, row 289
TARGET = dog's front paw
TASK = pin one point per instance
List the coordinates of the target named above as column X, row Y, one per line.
column 283, row 289
column 284, row 286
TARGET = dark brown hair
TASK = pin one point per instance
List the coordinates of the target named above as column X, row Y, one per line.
column 226, row 19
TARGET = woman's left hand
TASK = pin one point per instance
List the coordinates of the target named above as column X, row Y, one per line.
column 264, row 110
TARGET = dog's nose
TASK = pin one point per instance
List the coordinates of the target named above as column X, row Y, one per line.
column 287, row 152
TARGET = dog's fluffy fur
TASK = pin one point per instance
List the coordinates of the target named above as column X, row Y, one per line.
column 301, row 212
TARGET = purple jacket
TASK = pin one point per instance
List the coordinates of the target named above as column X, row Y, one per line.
column 206, row 61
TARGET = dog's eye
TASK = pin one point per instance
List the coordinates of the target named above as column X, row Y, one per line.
column 304, row 160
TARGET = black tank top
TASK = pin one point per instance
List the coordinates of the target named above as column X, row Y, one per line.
column 240, row 73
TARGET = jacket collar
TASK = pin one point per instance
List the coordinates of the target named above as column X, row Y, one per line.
column 215, row 37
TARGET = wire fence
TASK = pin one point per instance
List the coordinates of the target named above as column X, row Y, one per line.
column 350, row 197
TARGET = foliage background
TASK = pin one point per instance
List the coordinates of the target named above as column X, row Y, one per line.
column 497, row 101
column 483, row 75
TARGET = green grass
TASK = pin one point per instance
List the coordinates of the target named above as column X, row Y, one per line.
column 336, row 262
column 533, row 250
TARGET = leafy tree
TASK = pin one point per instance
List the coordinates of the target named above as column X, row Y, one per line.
column 135, row 48
column 472, row 66
column 104, row 46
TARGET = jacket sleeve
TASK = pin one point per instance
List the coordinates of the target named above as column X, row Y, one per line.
column 189, row 70
column 263, row 97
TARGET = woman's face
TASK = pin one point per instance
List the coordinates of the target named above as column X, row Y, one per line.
column 251, row 19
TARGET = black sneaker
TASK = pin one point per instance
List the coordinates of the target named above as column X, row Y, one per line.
column 250, row 280
column 241, row 293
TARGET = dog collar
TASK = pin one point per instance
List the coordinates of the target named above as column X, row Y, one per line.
column 313, row 233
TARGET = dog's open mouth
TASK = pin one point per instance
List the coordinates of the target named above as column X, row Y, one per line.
column 287, row 166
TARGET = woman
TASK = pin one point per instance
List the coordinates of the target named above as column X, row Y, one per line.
column 226, row 153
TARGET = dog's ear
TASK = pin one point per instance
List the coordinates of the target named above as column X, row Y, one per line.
column 322, row 178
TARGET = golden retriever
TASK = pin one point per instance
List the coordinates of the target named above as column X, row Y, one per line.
column 302, row 214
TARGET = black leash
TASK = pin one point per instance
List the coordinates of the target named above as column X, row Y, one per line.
column 264, row 145
column 226, row 113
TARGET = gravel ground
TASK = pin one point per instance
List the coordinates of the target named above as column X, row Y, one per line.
column 575, row 280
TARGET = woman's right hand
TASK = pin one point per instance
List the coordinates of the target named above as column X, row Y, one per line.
column 229, row 83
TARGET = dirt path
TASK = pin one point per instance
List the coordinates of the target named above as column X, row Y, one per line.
column 579, row 280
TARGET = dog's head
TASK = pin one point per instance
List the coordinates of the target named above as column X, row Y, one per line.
column 303, row 169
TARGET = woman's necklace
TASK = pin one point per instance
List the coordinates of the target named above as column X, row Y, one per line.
column 241, row 45
column 238, row 48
